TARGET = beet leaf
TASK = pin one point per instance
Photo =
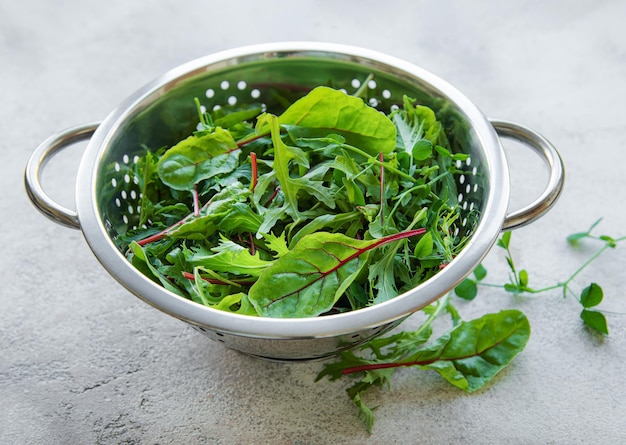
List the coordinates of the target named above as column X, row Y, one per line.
column 308, row 280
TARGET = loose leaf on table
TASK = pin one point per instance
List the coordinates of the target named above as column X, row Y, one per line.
column 472, row 353
column 309, row 279
column 335, row 112
column 591, row 296
column 468, row 356
column 467, row 289
column 575, row 237
column 595, row 320
column 200, row 156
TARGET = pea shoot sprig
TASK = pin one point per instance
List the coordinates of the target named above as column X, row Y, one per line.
column 590, row 296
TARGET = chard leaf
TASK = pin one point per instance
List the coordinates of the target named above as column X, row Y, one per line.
column 200, row 156
column 235, row 118
column 472, row 353
column 309, row 279
column 332, row 111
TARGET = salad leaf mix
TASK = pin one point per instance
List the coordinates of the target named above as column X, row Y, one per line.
column 329, row 206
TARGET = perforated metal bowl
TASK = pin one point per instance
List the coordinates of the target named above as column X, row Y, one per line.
column 159, row 114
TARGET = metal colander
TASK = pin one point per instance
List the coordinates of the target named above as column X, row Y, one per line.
column 162, row 113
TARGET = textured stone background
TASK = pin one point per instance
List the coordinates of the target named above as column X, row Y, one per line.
column 82, row 361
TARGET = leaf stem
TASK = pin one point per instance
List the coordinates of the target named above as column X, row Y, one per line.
column 255, row 171
column 359, row 92
column 382, row 188
column 192, row 277
column 165, row 232
column 196, row 200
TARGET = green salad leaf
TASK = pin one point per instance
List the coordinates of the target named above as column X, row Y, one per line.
column 294, row 209
column 327, row 111
column 200, row 156
column 310, row 278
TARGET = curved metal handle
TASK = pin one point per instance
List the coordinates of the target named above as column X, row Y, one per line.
column 554, row 162
column 36, row 164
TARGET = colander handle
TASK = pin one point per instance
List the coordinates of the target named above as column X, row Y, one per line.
column 34, row 168
column 551, row 157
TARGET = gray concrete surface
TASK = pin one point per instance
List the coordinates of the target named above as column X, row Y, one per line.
column 82, row 361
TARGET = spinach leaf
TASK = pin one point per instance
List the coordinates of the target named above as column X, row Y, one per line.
column 325, row 110
column 200, row 156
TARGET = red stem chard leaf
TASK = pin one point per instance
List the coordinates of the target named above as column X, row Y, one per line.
column 474, row 352
column 333, row 111
column 200, row 156
column 308, row 280
column 471, row 354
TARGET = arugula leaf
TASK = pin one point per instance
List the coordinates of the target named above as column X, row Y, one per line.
column 283, row 154
column 275, row 243
column 411, row 137
column 139, row 254
column 229, row 257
